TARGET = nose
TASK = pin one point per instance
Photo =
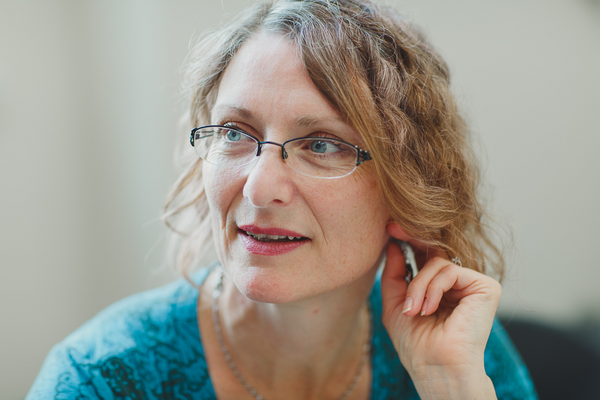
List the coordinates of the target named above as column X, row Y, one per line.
column 268, row 183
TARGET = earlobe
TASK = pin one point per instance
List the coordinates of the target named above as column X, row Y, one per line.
column 396, row 231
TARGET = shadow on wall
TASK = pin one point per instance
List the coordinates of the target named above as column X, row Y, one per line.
column 564, row 364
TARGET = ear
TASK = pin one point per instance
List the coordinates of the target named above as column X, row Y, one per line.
column 420, row 249
column 398, row 232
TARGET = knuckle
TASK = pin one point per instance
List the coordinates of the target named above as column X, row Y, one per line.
column 435, row 287
column 449, row 268
column 497, row 286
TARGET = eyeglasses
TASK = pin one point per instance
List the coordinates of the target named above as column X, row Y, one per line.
column 318, row 157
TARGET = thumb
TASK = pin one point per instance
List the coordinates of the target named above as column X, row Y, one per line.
column 393, row 284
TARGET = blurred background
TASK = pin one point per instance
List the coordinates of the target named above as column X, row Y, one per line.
column 89, row 104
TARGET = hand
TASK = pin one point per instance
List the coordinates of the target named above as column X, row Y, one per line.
column 440, row 323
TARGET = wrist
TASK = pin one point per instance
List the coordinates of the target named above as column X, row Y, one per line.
column 437, row 382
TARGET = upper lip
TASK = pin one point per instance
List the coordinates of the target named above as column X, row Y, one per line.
column 269, row 231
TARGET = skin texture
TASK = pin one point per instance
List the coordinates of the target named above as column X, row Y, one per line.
column 295, row 322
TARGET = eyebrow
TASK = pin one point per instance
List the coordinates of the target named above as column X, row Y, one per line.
column 242, row 112
column 306, row 122
column 302, row 121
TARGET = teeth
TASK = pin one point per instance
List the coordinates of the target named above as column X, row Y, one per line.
column 264, row 237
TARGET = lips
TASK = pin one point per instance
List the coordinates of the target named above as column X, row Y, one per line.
column 270, row 241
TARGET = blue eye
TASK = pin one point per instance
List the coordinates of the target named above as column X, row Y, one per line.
column 233, row 136
column 322, row 146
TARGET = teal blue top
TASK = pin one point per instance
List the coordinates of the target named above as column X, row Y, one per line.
column 148, row 347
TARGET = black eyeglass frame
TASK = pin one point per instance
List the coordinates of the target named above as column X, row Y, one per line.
column 361, row 155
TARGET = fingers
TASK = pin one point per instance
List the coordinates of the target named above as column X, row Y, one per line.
column 425, row 292
column 441, row 280
column 440, row 284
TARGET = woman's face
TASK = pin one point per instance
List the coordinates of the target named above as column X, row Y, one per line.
column 266, row 92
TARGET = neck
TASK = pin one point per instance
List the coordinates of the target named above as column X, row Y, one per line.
column 319, row 339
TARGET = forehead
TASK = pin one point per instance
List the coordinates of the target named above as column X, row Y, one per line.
column 266, row 81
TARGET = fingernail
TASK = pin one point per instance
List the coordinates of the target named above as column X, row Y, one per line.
column 424, row 308
column 407, row 305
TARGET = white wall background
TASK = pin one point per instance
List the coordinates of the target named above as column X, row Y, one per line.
column 88, row 111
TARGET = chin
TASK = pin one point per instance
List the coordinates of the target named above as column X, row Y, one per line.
column 261, row 285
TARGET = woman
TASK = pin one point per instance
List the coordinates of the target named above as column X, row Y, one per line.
column 325, row 132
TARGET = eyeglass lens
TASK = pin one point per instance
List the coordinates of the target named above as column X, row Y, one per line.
column 317, row 157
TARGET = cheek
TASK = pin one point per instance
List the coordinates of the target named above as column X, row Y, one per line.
column 365, row 223
column 220, row 187
column 358, row 206
column 353, row 218
column 223, row 188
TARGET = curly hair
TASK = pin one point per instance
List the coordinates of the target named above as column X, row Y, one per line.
column 384, row 77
